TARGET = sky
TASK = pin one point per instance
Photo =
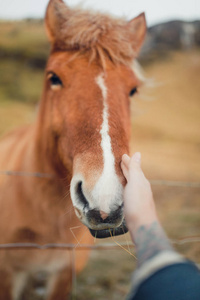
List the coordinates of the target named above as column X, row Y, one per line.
column 156, row 11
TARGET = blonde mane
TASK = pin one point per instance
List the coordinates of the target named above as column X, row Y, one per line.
column 99, row 34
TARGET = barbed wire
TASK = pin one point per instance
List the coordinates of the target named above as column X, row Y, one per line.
column 171, row 183
column 27, row 174
column 105, row 246
column 175, row 183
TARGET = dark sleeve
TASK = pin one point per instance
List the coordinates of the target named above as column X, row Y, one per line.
column 178, row 281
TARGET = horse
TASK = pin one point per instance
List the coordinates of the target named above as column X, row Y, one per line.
column 80, row 132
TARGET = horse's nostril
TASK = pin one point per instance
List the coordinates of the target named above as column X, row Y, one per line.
column 81, row 196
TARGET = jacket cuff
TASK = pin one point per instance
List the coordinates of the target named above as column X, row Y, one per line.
column 151, row 266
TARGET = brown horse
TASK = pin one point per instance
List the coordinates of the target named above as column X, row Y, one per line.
column 80, row 133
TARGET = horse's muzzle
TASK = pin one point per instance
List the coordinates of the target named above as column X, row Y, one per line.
column 109, row 232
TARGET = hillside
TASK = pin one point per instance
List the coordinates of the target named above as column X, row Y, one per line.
column 173, row 35
column 166, row 118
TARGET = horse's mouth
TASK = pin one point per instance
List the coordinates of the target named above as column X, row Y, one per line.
column 109, row 232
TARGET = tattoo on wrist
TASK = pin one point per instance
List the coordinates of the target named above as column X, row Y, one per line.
column 149, row 241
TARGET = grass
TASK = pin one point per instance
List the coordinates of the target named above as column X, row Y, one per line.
column 15, row 114
column 23, row 53
column 24, row 40
column 20, row 82
column 107, row 276
column 166, row 125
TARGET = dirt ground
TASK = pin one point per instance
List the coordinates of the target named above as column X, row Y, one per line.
column 165, row 129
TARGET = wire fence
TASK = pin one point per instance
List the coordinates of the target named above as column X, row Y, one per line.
column 190, row 239
column 105, row 246
column 152, row 181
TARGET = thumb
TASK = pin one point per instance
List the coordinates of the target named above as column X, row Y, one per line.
column 125, row 165
column 126, row 160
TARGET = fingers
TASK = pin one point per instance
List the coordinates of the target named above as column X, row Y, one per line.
column 129, row 164
column 135, row 165
column 125, row 165
column 124, row 170
column 135, row 160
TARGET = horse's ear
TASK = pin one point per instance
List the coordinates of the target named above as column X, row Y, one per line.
column 137, row 28
column 54, row 18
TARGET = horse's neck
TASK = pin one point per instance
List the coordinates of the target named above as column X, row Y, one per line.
column 47, row 189
column 46, row 143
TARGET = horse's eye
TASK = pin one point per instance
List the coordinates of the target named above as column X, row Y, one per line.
column 54, row 80
column 132, row 92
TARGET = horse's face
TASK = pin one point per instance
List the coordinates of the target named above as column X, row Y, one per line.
column 90, row 119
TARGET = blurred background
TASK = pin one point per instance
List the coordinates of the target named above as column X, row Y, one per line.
column 165, row 117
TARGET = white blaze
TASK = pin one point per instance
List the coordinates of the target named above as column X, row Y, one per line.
column 108, row 190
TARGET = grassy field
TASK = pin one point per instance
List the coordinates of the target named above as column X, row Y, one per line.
column 165, row 128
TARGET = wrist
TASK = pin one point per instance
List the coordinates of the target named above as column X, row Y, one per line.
column 149, row 240
column 133, row 223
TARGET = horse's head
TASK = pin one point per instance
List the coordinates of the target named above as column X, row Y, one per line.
column 90, row 79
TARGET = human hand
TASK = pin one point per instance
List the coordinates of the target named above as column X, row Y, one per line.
column 139, row 207
column 140, row 212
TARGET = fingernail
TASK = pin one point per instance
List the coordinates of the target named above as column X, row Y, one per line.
column 137, row 157
column 125, row 158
